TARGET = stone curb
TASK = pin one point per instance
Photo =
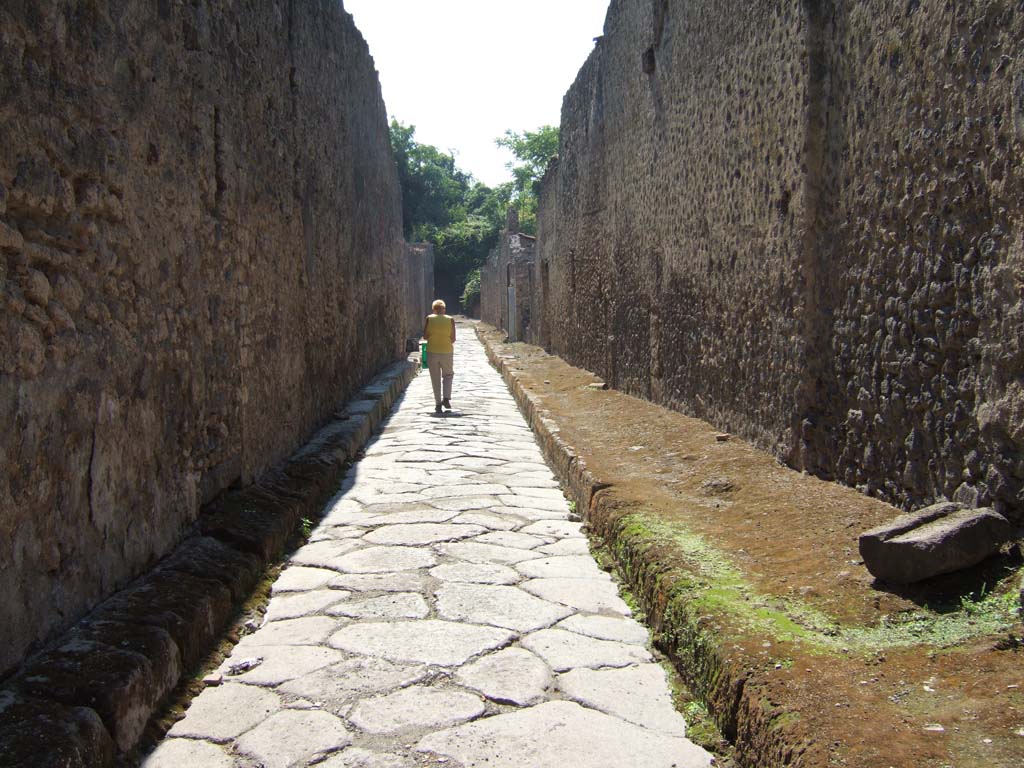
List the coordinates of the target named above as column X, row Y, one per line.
column 701, row 658
column 89, row 696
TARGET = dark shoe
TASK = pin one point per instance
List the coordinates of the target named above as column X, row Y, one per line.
column 437, row 409
column 446, row 404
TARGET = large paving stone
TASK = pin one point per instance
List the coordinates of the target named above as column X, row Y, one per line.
column 559, row 734
column 223, row 713
column 417, row 534
column 309, row 630
column 187, row 753
column 499, row 606
column 476, row 573
column 508, row 676
column 486, row 553
column 400, row 581
column 384, row 559
column 555, row 528
column 293, row 738
column 407, row 514
column 490, row 521
column 511, row 539
column 334, row 686
column 301, row 579
column 355, row 757
column 590, row 595
column 559, row 504
column 567, row 567
column 638, row 694
column 323, row 554
column 621, row 630
column 428, row 641
column 570, row 546
column 465, row 503
column 563, row 650
column 281, row 662
column 415, row 707
column 398, row 605
column 293, row 605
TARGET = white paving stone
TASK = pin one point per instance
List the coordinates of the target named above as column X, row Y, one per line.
column 225, row 712
column 570, row 546
column 418, row 706
column 511, row 539
column 476, row 573
column 429, row 641
column 621, row 630
column 555, row 529
column 300, row 579
column 490, row 521
column 590, row 595
column 558, row 734
column 465, row 503
column 565, row 567
column 309, row 630
column 403, row 514
column 292, row 605
column 398, row 605
column 385, row 559
column 567, row 650
column 415, row 534
column 486, row 553
column 498, row 606
column 324, row 554
column 638, row 694
column 398, row 581
column 294, row 737
column 281, row 662
column 355, row 757
column 336, row 685
column 187, row 753
column 508, row 676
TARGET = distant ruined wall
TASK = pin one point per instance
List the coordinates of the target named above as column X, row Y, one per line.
column 200, row 257
column 801, row 221
column 511, row 262
column 419, row 264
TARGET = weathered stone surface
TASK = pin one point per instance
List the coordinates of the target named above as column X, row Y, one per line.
column 499, row 606
column 354, row 757
column 415, row 707
column 301, row 579
column 465, row 503
column 399, row 605
column 938, row 539
column 281, row 662
column 294, row 737
column 567, row 650
column 509, row 676
column 486, row 553
column 568, row 567
column 430, row 641
column 225, row 712
column 407, row 514
column 324, row 554
column 554, row 529
column 336, row 685
column 488, row 520
column 177, row 371
column 293, row 605
column 187, row 753
column 309, row 630
column 855, row 352
column 638, row 694
column 591, row 595
column 476, row 573
column 72, row 737
column 585, row 738
column 384, row 559
column 511, row 539
column 573, row 546
column 400, row 581
column 421, row 533
column 606, row 628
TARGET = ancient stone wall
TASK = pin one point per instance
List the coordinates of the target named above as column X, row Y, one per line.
column 511, row 263
column 419, row 287
column 801, row 220
column 200, row 257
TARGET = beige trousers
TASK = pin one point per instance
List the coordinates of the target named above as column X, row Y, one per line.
column 440, row 365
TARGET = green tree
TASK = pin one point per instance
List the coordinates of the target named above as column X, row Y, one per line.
column 533, row 151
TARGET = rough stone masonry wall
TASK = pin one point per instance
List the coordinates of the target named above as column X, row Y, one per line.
column 200, row 256
column 419, row 286
column 801, row 220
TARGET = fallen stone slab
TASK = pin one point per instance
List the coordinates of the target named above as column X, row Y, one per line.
column 579, row 737
column 942, row 538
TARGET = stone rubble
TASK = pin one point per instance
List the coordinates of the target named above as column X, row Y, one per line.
column 459, row 620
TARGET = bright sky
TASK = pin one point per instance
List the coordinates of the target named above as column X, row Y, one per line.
column 463, row 71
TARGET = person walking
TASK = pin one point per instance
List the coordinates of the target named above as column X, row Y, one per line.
column 439, row 331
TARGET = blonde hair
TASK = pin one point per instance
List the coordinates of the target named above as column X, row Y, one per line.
column 438, row 307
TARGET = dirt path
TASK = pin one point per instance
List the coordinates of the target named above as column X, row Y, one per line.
column 751, row 574
column 446, row 611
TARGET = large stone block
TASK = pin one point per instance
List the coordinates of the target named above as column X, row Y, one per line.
column 74, row 736
column 942, row 538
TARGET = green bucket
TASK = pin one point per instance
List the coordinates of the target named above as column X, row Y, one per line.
column 423, row 354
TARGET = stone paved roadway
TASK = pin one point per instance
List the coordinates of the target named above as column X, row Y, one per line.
column 446, row 611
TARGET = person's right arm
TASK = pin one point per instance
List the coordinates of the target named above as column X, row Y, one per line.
column 426, row 324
